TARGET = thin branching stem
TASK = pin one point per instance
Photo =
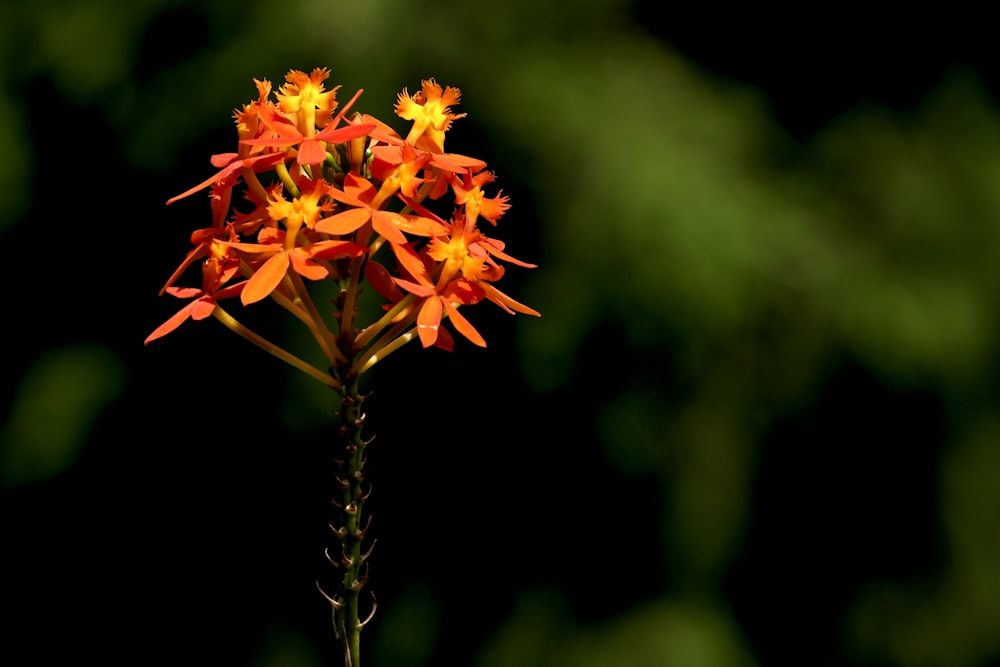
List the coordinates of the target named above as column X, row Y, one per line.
column 231, row 322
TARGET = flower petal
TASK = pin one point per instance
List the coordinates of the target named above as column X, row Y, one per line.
column 462, row 325
column 311, row 152
column 306, row 266
column 429, row 321
column 384, row 223
column 267, row 278
column 344, row 222
column 175, row 321
column 505, row 302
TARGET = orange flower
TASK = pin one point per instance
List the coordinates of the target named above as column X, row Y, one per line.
column 361, row 195
column 392, row 150
column 285, row 133
column 302, row 260
column 469, row 193
column 247, row 121
column 305, row 96
column 217, row 270
column 430, row 111
column 468, row 253
column 398, row 169
column 467, row 269
column 304, row 210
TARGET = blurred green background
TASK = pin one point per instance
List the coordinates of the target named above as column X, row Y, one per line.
column 757, row 423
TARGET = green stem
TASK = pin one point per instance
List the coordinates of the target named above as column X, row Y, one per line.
column 254, row 183
column 286, row 179
column 350, row 528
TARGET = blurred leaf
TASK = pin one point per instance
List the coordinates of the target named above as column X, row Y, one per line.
column 287, row 648
column 954, row 619
column 86, row 46
column 60, row 398
column 16, row 168
column 409, row 629
column 660, row 634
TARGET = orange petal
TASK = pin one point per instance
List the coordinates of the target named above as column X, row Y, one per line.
column 332, row 249
column 463, row 325
column 419, row 225
column 218, row 177
column 410, row 262
column 345, row 133
column 344, row 222
column 306, row 266
column 267, row 278
column 384, row 223
column 311, row 152
column 429, row 321
column 175, row 321
column 414, row 288
column 203, row 308
column 491, row 247
column 456, row 163
column 505, row 302
column 445, row 340
column 184, row 292
column 378, row 277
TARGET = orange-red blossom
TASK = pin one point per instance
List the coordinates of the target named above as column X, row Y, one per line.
column 310, row 193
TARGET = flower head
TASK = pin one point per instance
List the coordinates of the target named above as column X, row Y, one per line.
column 327, row 197
column 306, row 96
column 469, row 193
column 430, row 111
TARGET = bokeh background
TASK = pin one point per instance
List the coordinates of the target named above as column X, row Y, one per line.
column 757, row 423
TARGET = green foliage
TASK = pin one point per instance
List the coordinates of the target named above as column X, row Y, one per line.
column 663, row 634
column 57, row 403
column 408, row 631
column 287, row 648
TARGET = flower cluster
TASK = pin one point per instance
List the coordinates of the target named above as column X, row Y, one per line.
column 313, row 195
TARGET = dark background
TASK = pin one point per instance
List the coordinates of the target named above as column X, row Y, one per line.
column 756, row 424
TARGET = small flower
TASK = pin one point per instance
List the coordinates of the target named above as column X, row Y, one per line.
column 430, row 111
column 465, row 270
column 305, row 96
column 247, row 119
column 302, row 211
column 285, row 133
column 469, row 193
column 217, row 270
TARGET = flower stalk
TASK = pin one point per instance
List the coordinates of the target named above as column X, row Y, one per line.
column 351, row 526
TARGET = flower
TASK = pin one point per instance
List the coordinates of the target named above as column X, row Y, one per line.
column 217, row 270
column 274, row 245
column 430, row 111
column 469, row 193
column 305, row 210
column 285, row 133
column 360, row 194
column 463, row 260
column 305, row 95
